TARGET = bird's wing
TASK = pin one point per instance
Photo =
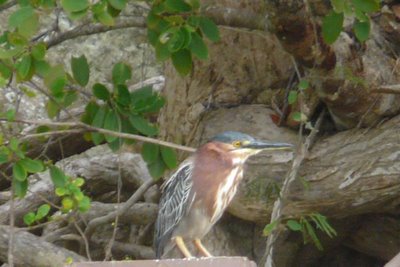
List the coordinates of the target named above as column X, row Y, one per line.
column 176, row 200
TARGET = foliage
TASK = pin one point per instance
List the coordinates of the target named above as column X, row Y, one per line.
column 293, row 98
column 307, row 225
column 176, row 30
column 359, row 10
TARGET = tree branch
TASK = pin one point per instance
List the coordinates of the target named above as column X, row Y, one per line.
column 109, row 217
column 89, row 29
column 30, row 250
column 104, row 131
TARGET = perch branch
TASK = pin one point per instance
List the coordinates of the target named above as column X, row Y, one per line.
column 279, row 203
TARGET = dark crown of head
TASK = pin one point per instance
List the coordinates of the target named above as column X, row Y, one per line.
column 231, row 136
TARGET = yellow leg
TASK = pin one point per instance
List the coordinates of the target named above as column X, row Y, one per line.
column 201, row 248
column 182, row 247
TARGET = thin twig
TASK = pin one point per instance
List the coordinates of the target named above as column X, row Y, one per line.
column 37, row 135
column 12, row 232
column 89, row 29
column 279, row 203
column 109, row 217
column 85, row 241
column 103, row 131
column 388, row 89
column 8, row 5
column 116, row 221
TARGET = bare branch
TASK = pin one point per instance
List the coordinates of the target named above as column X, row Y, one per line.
column 8, row 5
column 89, row 29
column 104, row 131
column 109, row 217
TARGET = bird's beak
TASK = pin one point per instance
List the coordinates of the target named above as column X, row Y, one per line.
column 263, row 145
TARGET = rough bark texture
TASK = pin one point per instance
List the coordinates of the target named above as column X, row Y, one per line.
column 30, row 250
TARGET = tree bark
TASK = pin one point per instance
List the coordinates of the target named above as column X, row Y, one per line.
column 30, row 250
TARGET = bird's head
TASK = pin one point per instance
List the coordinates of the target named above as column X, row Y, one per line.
column 242, row 145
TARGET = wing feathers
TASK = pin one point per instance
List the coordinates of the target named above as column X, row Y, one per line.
column 175, row 201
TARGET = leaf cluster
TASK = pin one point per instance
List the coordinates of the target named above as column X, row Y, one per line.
column 359, row 10
column 307, row 225
column 176, row 30
column 69, row 189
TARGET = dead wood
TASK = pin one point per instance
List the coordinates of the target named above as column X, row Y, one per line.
column 30, row 250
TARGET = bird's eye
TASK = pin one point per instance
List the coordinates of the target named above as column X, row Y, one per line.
column 237, row 144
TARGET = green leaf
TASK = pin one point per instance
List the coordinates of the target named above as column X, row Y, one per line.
column 20, row 188
column 3, row 158
column 111, row 123
column 142, row 125
column 100, row 91
column 209, row 28
column 79, row 182
column 338, row 5
column 24, row 66
column 156, row 168
column 78, row 14
column 14, row 144
column 269, row 228
column 42, row 68
column 176, row 39
column 84, row 204
column 292, row 97
column 55, row 80
column 32, row 165
column 74, row 5
column 198, row 47
column 162, row 51
column 121, row 72
column 361, row 30
column 332, row 26
column 169, row 157
column 177, row 6
column 182, row 61
column 5, row 71
column 117, row 4
column 80, row 70
column 61, row 191
column 116, row 144
column 70, row 97
column 367, row 6
column 150, row 152
column 194, row 3
column 294, row 225
column 122, row 95
column 98, row 122
column 313, row 235
column 10, row 114
column 29, row 218
column 19, row 172
column 300, row 117
column 42, row 212
column 20, row 16
column 52, row 109
column 303, row 85
column 105, row 18
column 39, row 51
column 67, row 204
column 57, row 176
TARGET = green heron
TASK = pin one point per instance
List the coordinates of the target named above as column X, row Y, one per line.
column 196, row 195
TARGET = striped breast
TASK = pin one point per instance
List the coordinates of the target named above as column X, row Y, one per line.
column 226, row 191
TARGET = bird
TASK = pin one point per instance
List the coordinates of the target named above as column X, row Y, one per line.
column 195, row 196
